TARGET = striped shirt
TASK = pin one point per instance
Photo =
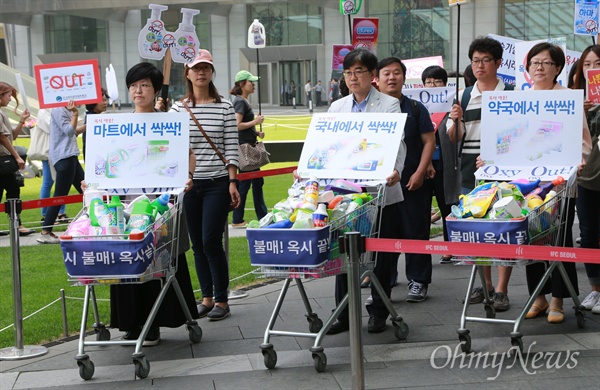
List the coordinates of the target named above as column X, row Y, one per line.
column 472, row 143
column 218, row 121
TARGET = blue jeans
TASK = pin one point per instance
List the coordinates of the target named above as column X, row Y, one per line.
column 588, row 212
column 68, row 173
column 257, row 194
column 47, row 183
column 206, row 209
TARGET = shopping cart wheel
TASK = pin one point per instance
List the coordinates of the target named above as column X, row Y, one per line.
column 490, row 311
column 465, row 342
column 517, row 342
column 580, row 316
column 314, row 323
column 320, row 361
column 195, row 333
column 142, row 367
column 86, row 369
column 102, row 334
column 270, row 357
column 400, row 329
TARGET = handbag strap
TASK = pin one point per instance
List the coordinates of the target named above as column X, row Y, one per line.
column 204, row 133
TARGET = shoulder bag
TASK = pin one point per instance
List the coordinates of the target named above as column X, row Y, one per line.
column 40, row 144
column 253, row 156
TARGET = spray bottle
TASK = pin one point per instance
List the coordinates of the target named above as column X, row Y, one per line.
column 150, row 40
column 256, row 35
column 185, row 41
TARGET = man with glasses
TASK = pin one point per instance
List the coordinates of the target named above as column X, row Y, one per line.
column 359, row 69
column 486, row 58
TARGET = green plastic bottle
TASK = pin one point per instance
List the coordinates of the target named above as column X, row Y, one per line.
column 116, row 211
column 142, row 217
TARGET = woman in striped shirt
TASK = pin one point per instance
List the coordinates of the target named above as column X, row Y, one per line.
column 215, row 182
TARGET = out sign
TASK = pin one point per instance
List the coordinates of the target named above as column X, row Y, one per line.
column 59, row 83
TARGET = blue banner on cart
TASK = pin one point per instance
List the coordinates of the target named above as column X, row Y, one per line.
column 488, row 231
column 111, row 257
column 288, row 247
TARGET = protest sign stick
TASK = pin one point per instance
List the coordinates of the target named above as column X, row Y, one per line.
column 456, row 123
column 164, row 91
column 350, row 27
column 258, row 74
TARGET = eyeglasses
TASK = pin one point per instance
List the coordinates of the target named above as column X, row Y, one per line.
column 544, row 64
column 483, row 61
column 434, row 83
column 201, row 69
column 143, row 86
column 348, row 74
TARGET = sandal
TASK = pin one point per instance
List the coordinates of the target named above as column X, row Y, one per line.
column 556, row 315
column 23, row 231
column 536, row 310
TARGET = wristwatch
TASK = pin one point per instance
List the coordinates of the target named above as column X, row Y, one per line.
column 236, row 181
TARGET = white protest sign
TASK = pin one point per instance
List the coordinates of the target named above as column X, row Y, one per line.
column 112, row 87
column 22, row 91
column 415, row 66
column 418, row 83
column 352, row 145
column 585, row 17
column 137, row 150
column 523, row 79
column 63, row 81
column 434, row 99
column 507, row 67
column 532, row 128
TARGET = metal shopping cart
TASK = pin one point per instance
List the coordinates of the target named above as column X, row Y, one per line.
column 126, row 259
column 327, row 259
column 546, row 226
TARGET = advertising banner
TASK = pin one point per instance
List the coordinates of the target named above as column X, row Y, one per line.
column 365, row 33
column 63, row 81
column 352, row 145
column 339, row 53
column 137, row 151
column 585, row 17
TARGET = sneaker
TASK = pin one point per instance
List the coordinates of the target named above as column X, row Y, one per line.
column 49, row 238
column 578, row 240
column 500, row 301
column 417, row 292
column 477, row 295
column 446, row 260
column 241, row 225
column 152, row 338
column 218, row 313
column 132, row 334
column 591, row 300
column 369, row 300
column 596, row 308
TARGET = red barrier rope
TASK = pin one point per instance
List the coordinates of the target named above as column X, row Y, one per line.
column 47, row 202
column 500, row 251
column 268, row 172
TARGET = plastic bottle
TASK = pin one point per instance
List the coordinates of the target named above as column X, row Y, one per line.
column 356, row 203
column 92, row 192
column 116, row 211
column 99, row 213
column 285, row 224
column 186, row 42
column 129, row 207
column 150, row 39
column 525, row 186
column 142, row 216
column 320, row 217
column 544, row 189
column 326, row 197
column 303, row 219
column 161, row 203
column 256, row 35
column 311, row 192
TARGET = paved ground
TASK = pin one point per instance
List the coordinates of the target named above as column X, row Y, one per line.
column 557, row 356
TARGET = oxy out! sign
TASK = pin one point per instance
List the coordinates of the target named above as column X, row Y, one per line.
column 541, row 172
column 60, row 82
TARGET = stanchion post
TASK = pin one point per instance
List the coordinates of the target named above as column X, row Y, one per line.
column 20, row 351
column 294, row 103
column 231, row 294
column 63, row 302
column 310, row 108
column 353, row 250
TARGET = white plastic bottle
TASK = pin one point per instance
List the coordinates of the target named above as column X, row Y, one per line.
column 256, row 35
column 186, row 44
column 311, row 192
column 150, row 40
column 91, row 192
column 320, row 217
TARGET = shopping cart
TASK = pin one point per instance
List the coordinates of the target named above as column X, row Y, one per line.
column 546, row 226
column 126, row 259
column 329, row 262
